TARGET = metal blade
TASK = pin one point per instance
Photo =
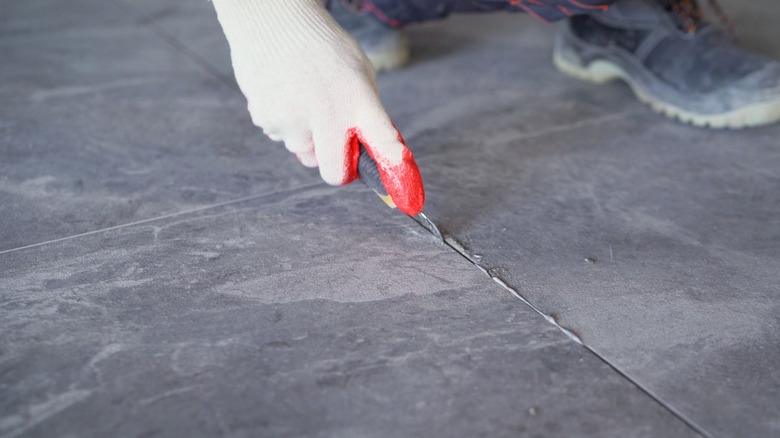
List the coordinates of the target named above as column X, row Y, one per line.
column 423, row 220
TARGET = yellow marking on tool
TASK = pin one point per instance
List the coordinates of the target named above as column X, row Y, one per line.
column 388, row 200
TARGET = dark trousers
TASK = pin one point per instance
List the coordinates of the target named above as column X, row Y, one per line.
column 400, row 12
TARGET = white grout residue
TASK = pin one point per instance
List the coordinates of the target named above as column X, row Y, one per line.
column 460, row 249
column 493, row 274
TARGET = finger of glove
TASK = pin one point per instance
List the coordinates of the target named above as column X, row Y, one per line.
column 308, row 159
column 336, row 153
column 299, row 142
column 400, row 174
column 302, row 145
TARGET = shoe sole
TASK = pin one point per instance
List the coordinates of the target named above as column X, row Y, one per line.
column 391, row 54
column 602, row 71
column 389, row 59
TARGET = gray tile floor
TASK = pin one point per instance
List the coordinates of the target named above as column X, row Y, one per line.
column 165, row 270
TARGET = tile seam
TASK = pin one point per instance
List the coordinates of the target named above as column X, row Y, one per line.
column 286, row 192
column 182, row 48
column 460, row 249
column 585, row 123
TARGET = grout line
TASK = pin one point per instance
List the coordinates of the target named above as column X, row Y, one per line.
column 197, row 59
column 497, row 139
column 454, row 244
column 666, row 405
column 166, row 216
column 182, row 48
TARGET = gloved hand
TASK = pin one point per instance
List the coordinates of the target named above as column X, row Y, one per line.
column 309, row 84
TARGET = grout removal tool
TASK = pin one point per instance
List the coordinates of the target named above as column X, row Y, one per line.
column 369, row 174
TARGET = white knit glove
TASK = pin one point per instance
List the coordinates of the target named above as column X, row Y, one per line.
column 309, row 84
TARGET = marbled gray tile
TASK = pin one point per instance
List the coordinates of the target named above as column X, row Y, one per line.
column 682, row 223
column 191, row 27
column 104, row 123
column 303, row 313
column 113, row 114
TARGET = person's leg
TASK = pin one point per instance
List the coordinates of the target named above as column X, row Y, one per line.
column 376, row 24
column 665, row 50
column 397, row 13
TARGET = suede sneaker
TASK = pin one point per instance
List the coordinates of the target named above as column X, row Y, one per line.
column 674, row 61
column 387, row 48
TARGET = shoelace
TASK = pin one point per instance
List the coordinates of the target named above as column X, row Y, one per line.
column 691, row 15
